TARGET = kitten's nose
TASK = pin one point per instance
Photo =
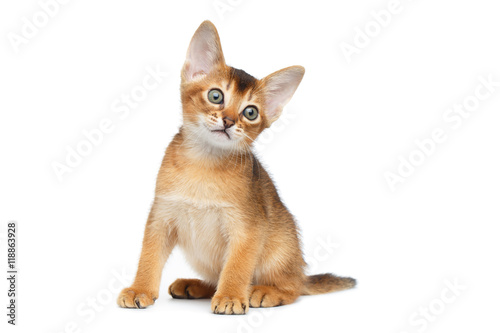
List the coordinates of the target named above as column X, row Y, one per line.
column 228, row 122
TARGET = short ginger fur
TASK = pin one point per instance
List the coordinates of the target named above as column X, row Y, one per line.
column 216, row 201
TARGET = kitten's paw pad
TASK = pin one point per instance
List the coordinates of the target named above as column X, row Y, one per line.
column 265, row 297
column 190, row 288
column 133, row 298
column 229, row 305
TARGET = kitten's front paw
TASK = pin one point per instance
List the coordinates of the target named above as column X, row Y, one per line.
column 229, row 305
column 134, row 298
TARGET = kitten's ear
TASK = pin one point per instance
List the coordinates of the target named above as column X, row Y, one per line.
column 204, row 52
column 279, row 89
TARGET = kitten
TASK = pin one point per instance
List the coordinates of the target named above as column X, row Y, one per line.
column 216, row 201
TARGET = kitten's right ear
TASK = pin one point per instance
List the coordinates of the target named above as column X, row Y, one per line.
column 204, row 53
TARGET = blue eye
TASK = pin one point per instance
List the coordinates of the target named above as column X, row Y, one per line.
column 215, row 96
column 251, row 112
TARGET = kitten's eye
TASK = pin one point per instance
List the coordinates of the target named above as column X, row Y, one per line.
column 251, row 112
column 215, row 96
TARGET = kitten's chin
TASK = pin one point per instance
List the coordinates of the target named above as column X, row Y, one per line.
column 213, row 142
column 220, row 139
column 221, row 135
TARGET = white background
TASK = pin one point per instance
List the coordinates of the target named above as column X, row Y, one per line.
column 346, row 127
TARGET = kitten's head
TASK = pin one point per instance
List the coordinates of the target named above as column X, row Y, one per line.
column 223, row 107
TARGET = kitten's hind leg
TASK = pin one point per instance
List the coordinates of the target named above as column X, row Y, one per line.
column 191, row 289
column 268, row 296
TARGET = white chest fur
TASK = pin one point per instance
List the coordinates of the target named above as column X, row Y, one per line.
column 201, row 231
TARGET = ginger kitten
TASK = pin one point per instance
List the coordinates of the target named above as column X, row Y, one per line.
column 216, row 201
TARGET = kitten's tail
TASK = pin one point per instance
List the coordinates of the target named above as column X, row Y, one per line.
column 326, row 283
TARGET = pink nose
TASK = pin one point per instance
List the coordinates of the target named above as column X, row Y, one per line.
column 228, row 122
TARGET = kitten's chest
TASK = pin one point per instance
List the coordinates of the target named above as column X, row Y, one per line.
column 198, row 201
column 197, row 206
column 205, row 207
column 198, row 225
column 201, row 233
column 202, row 187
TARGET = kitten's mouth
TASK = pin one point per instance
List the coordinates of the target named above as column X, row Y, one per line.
column 221, row 133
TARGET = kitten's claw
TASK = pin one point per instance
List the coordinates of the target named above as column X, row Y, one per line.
column 136, row 299
column 229, row 305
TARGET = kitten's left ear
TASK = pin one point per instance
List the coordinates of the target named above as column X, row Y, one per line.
column 204, row 53
column 279, row 89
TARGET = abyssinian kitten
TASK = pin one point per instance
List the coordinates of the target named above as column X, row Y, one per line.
column 216, row 201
